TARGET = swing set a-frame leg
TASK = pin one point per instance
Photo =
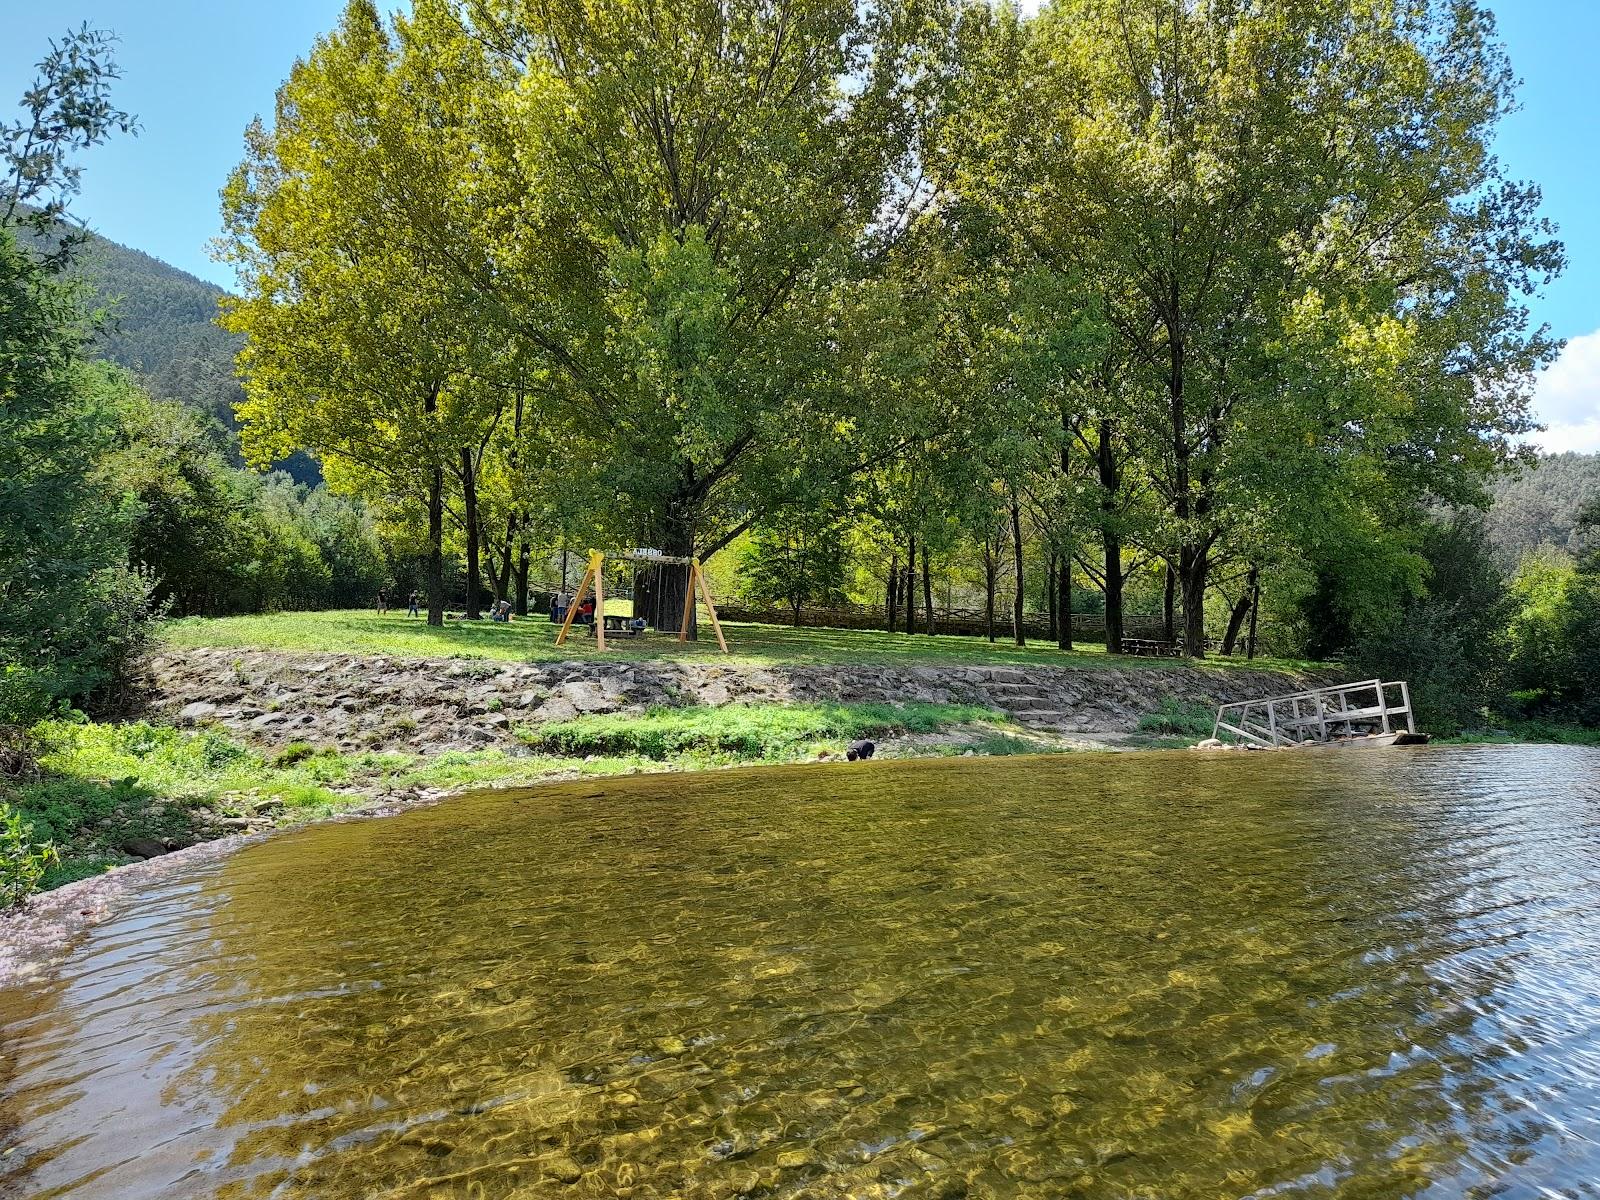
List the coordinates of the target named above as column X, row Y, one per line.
column 577, row 599
column 688, row 608
column 697, row 575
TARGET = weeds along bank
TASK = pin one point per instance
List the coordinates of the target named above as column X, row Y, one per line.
column 236, row 741
column 105, row 794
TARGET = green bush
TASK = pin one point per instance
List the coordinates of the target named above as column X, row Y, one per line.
column 1448, row 641
column 1555, row 636
column 294, row 752
column 1183, row 718
column 73, row 615
column 22, row 861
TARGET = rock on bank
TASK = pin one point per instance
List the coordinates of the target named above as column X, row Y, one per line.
column 426, row 706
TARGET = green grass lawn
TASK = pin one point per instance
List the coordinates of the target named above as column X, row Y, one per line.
column 533, row 639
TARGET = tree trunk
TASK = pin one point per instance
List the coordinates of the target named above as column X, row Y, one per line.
column 891, row 599
column 503, row 576
column 927, row 592
column 1110, row 539
column 1169, row 628
column 1192, row 560
column 670, row 584
column 1064, row 599
column 1050, row 597
column 469, row 507
column 1193, row 566
column 436, row 546
column 910, row 587
column 524, row 554
column 514, row 524
column 989, row 574
column 1240, row 611
column 1017, row 633
column 493, row 561
column 1255, row 610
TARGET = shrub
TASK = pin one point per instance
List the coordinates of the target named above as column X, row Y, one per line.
column 22, row 861
column 1449, row 641
column 293, row 753
column 17, row 752
column 1181, row 718
column 1555, row 636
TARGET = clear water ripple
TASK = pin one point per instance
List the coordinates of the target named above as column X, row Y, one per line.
column 1299, row 975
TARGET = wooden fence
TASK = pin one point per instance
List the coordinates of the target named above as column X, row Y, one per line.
column 966, row 622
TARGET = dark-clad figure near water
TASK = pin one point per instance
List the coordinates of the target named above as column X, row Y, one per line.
column 861, row 750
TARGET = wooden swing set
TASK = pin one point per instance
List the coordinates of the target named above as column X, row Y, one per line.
column 594, row 576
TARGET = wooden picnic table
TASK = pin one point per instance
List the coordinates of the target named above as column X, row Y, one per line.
column 1151, row 648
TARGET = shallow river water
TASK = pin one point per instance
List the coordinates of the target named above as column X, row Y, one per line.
column 1316, row 974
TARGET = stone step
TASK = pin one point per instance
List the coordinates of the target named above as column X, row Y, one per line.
column 1042, row 716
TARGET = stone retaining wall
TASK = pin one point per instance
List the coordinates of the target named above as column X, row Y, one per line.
column 432, row 705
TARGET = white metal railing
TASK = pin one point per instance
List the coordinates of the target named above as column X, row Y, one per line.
column 1319, row 715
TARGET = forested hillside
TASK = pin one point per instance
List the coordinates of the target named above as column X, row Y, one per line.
column 160, row 324
column 1542, row 506
column 163, row 327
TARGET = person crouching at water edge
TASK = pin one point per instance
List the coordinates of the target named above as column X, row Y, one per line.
column 860, row 751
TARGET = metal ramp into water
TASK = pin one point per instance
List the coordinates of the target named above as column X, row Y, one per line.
column 1369, row 712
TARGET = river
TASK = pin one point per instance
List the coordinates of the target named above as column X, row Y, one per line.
column 1323, row 973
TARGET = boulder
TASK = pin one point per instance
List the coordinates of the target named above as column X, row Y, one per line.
column 143, row 848
column 587, row 697
column 193, row 714
column 715, row 693
column 556, row 708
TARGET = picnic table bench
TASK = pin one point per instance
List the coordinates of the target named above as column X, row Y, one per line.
column 617, row 623
column 1151, row 648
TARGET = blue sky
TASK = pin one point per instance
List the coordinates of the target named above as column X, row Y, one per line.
column 196, row 72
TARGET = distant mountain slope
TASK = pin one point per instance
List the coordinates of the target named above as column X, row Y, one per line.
column 1540, row 505
column 163, row 327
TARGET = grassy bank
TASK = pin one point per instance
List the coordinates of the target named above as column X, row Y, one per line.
column 1523, row 732
column 364, row 632
column 104, row 793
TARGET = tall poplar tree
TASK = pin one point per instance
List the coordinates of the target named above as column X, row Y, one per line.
column 705, row 189
column 366, row 345
column 1272, row 197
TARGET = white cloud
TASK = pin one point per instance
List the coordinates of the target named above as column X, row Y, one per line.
column 1567, row 398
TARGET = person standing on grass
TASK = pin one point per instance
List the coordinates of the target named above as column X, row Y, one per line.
column 383, row 602
column 412, row 611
